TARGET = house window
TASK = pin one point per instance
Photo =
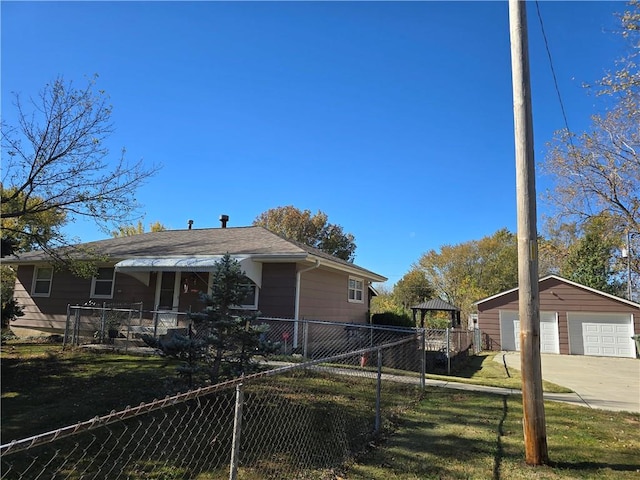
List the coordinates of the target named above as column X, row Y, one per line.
column 42, row 282
column 102, row 284
column 356, row 290
column 250, row 301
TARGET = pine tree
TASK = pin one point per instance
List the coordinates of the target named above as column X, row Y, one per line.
column 222, row 339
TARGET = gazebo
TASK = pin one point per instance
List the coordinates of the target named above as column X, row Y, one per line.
column 436, row 305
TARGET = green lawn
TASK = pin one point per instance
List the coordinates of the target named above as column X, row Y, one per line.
column 45, row 388
column 482, row 369
column 467, row 435
column 439, row 434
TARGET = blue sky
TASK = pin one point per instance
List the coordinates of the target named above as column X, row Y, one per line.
column 394, row 118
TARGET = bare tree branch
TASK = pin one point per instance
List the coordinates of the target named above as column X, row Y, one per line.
column 58, row 161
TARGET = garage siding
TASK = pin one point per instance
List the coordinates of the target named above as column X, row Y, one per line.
column 556, row 295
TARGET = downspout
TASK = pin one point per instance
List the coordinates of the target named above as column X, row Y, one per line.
column 297, row 304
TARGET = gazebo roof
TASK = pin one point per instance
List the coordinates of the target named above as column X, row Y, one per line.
column 436, row 304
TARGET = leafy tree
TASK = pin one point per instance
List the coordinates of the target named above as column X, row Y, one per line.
column 497, row 262
column 553, row 247
column 10, row 308
column 313, row 230
column 18, row 235
column 55, row 166
column 591, row 259
column 412, row 288
column 221, row 339
column 464, row 273
column 129, row 230
column 384, row 301
column 26, row 232
column 599, row 170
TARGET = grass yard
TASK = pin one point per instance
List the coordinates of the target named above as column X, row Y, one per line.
column 45, row 388
column 447, row 434
column 482, row 369
column 467, row 435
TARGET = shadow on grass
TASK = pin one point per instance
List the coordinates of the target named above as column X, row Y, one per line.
column 594, row 466
column 471, row 366
column 472, row 435
column 441, row 435
column 54, row 389
column 497, row 461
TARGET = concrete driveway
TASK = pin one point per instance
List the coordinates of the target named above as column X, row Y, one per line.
column 599, row 382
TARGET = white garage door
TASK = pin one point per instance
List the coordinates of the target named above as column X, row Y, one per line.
column 510, row 331
column 601, row 334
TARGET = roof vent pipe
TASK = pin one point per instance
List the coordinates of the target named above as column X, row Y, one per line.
column 223, row 220
column 190, row 222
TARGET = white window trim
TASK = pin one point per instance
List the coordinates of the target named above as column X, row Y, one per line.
column 361, row 290
column 253, row 306
column 36, row 279
column 93, row 285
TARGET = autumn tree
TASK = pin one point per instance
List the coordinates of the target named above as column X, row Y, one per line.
column 464, row 273
column 599, row 170
column 56, row 162
column 25, row 232
column 383, row 301
column 310, row 229
column 18, row 235
column 412, row 288
column 554, row 244
column 592, row 259
column 129, row 230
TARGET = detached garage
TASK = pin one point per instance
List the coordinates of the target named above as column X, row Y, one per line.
column 574, row 320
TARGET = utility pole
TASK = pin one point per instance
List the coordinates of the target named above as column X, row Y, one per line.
column 534, row 423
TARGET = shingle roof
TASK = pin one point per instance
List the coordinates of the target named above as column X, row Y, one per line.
column 436, row 304
column 563, row 280
column 255, row 241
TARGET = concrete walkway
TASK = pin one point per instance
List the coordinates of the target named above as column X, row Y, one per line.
column 605, row 383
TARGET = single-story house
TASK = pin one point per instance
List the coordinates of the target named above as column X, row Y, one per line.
column 167, row 270
column 574, row 320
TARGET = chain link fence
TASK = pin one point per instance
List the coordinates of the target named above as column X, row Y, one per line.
column 123, row 328
column 296, row 420
column 121, row 325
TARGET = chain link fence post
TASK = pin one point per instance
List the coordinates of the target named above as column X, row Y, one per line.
column 126, row 343
column 378, row 391
column 448, row 352
column 237, row 432
column 65, row 339
column 103, row 324
column 423, row 357
column 76, row 329
column 305, row 340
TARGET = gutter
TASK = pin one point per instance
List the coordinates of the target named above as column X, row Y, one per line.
column 297, row 304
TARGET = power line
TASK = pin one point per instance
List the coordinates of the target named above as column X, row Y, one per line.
column 555, row 83
column 553, row 73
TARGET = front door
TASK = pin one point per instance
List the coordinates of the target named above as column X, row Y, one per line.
column 167, row 295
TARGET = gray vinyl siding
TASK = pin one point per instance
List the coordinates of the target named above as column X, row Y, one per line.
column 555, row 296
